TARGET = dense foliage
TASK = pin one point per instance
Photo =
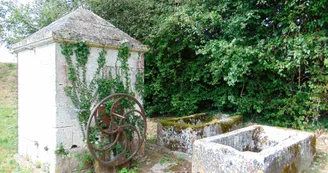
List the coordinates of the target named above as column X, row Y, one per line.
column 263, row 59
column 18, row 21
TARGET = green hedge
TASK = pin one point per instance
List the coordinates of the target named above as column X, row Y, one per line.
column 261, row 59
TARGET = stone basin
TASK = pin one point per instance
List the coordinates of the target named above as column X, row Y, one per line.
column 259, row 149
column 178, row 134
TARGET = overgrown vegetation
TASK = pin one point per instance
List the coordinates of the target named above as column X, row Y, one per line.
column 258, row 58
column 86, row 161
column 61, row 150
column 264, row 59
column 126, row 170
column 81, row 92
column 86, row 91
column 8, row 116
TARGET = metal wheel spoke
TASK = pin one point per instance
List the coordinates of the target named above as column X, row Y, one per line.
column 117, row 137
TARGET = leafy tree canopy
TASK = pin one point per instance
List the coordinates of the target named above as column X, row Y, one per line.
column 18, row 21
column 267, row 59
column 263, row 59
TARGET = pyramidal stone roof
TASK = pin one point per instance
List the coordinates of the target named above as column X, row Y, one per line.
column 81, row 25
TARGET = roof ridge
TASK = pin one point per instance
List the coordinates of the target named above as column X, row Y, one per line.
column 76, row 26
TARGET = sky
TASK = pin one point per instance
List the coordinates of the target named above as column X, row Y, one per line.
column 5, row 55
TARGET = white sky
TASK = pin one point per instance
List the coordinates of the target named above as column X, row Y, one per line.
column 5, row 56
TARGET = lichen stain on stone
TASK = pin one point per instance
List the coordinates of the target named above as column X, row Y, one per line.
column 180, row 133
column 227, row 125
column 313, row 144
column 188, row 121
column 176, row 145
column 290, row 168
column 296, row 150
column 205, row 120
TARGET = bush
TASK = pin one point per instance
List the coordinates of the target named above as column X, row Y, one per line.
column 262, row 59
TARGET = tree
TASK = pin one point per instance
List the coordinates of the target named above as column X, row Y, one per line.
column 260, row 58
column 263, row 59
column 18, row 21
column 135, row 17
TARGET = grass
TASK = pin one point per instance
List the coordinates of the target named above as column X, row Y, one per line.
column 8, row 117
column 166, row 159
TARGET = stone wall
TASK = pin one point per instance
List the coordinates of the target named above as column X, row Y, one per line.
column 254, row 149
column 66, row 119
column 47, row 117
column 37, row 104
column 179, row 134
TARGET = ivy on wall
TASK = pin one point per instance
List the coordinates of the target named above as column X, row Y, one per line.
column 84, row 94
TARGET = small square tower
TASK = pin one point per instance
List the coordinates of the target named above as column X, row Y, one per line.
column 46, row 116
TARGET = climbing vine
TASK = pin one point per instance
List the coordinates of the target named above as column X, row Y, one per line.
column 140, row 83
column 140, row 79
column 84, row 94
column 123, row 56
column 80, row 93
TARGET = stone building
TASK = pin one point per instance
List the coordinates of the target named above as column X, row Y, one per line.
column 46, row 116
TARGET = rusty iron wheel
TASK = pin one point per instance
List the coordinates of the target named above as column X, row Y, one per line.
column 115, row 138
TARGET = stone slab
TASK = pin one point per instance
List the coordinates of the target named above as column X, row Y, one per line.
column 256, row 148
column 178, row 134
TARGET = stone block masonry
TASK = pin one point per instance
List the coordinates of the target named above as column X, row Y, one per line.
column 47, row 118
column 178, row 134
column 260, row 149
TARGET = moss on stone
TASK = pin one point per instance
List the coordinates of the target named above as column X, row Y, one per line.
column 193, row 127
column 188, row 121
column 256, row 133
column 290, row 168
column 206, row 120
column 227, row 125
column 313, row 141
column 297, row 150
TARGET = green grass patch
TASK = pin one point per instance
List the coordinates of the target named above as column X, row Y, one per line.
column 8, row 138
column 8, row 118
column 7, row 70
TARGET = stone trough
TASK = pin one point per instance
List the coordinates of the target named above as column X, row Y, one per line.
column 260, row 149
column 178, row 134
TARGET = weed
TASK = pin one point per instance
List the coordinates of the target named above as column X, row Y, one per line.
column 180, row 157
column 165, row 159
column 125, row 170
column 38, row 164
column 36, row 143
column 86, row 161
column 152, row 139
column 61, row 150
column 20, row 170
